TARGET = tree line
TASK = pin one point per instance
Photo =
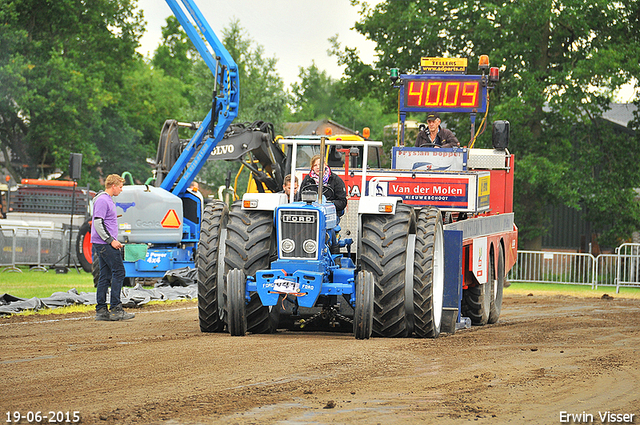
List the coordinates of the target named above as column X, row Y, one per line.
column 562, row 63
column 72, row 81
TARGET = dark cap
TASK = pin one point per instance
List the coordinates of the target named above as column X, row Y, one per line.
column 432, row 116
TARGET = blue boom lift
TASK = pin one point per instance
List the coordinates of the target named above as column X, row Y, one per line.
column 167, row 217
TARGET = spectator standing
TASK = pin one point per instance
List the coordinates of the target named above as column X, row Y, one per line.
column 104, row 237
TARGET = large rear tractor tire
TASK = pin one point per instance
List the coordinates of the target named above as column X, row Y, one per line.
column 428, row 274
column 249, row 246
column 497, row 286
column 384, row 253
column 83, row 247
column 363, row 312
column 210, row 311
column 236, row 290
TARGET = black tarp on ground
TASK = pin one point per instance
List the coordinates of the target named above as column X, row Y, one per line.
column 176, row 284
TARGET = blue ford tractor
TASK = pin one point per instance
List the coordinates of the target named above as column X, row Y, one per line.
column 279, row 252
column 303, row 273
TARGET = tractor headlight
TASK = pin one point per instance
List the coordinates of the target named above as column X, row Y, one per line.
column 310, row 246
column 288, row 245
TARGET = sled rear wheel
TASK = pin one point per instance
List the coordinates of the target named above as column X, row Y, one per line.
column 476, row 302
column 497, row 287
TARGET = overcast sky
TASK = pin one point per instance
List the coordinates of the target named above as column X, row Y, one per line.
column 296, row 32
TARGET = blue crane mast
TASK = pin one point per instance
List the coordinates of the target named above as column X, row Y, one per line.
column 226, row 96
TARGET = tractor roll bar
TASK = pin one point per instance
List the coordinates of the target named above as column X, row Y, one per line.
column 300, row 141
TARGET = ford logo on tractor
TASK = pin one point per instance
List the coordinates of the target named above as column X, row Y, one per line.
column 289, row 218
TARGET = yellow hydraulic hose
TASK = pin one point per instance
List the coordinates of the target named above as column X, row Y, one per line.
column 486, row 112
column 235, row 184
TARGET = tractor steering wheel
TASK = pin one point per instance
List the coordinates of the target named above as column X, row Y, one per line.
column 327, row 191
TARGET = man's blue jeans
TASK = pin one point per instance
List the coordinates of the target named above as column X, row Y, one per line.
column 111, row 274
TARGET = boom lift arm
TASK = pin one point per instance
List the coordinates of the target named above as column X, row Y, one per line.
column 226, row 96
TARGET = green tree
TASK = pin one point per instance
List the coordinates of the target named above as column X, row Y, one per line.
column 147, row 99
column 560, row 61
column 62, row 66
column 176, row 54
column 315, row 96
column 262, row 95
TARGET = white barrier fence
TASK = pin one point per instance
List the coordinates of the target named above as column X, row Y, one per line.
column 621, row 269
column 36, row 248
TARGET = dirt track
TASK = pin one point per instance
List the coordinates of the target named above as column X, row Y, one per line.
column 546, row 355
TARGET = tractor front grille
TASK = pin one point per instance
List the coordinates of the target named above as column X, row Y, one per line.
column 298, row 227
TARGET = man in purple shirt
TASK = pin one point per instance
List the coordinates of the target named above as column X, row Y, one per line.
column 104, row 237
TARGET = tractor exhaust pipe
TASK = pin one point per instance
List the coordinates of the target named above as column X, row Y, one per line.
column 323, row 140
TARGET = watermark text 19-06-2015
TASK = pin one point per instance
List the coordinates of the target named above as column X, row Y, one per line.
column 38, row 417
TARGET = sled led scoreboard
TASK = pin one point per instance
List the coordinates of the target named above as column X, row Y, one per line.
column 443, row 93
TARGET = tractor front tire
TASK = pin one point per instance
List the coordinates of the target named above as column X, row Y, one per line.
column 210, row 312
column 363, row 312
column 249, row 246
column 428, row 274
column 383, row 252
column 236, row 289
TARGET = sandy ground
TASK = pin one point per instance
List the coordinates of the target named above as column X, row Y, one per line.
column 547, row 355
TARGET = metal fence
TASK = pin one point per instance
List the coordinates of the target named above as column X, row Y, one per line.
column 553, row 267
column 36, row 248
column 628, row 265
column 621, row 269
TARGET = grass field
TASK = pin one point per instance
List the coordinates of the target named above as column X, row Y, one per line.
column 522, row 288
column 29, row 284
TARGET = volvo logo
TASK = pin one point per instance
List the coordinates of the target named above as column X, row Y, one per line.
column 223, row 150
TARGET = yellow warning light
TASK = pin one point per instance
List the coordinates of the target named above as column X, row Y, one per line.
column 366, row 132
column 171, row 220
column 327, row 131
column 483, row 62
